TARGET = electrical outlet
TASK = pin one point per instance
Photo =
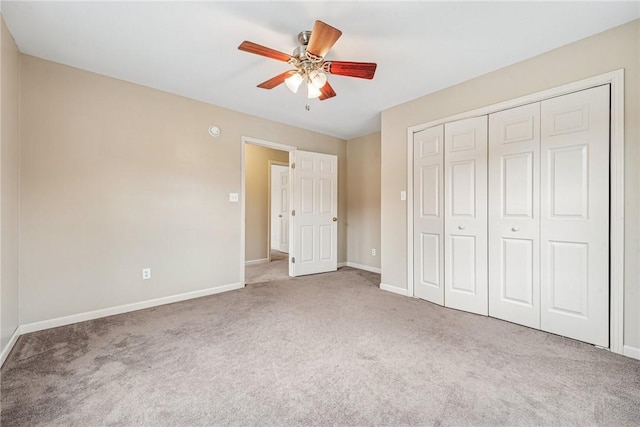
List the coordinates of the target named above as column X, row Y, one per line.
column 146, row 273
column 373, row 252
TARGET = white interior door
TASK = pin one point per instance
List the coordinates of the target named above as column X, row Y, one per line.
column 277, row 206
column 514, row 215
column 465, row 218
column 283, row 214
column 428, row 189
column 574, row 253
column 315, row 213
column 274, row 209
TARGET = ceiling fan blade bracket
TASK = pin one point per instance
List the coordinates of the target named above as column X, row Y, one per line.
column 313, row 58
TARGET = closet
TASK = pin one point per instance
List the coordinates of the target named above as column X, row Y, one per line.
column 511, row 215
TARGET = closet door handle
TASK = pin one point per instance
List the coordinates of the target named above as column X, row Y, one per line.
column 514, row 229
column 461, row 227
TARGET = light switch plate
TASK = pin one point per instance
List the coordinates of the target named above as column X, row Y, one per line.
column 403, row 195
column 233, row 197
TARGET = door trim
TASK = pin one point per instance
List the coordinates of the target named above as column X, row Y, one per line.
column 616, row 209
column 268, row 144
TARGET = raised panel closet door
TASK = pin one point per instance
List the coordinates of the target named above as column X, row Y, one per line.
column 465, row 254
column 574, row 253
column 428, row 263
column 514, row 215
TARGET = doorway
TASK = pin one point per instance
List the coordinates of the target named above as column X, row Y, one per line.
column 313, row 204
column 266, row 199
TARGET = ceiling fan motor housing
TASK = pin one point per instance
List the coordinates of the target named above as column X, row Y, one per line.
column 303, row 62
column 300, row 52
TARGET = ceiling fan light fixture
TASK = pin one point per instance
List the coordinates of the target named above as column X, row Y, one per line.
column 312, row 91
column 318, row 79
column 293, row 82
column 309, row 63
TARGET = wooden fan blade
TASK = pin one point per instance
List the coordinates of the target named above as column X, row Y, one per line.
column 362, row 70
column 326, row 92
column 257, row 49
column 275, row 81
column 323, row 36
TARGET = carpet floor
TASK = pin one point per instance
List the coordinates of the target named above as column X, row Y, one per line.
column 276, row 269
column 328, row 349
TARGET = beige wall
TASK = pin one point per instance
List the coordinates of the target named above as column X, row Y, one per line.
column 116, row 177
column 608, row 51
column 363, row 205
column 9, row 183
column 256, row 163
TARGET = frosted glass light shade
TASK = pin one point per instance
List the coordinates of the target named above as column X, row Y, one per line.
column 318, row 79
column 312, row 91
column 293, row 82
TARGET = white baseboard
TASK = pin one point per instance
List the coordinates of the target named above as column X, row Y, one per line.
column 633, row 352
column 360, row 266
column 96, row 314
column 256, row 261
column 342, row 264
column 394, row 289
column 10, row 344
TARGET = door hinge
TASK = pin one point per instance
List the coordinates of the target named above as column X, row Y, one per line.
column 293, row 212
column 293, row 260
column 293, row 165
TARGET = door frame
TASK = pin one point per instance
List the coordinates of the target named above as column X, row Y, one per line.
column 268, row 144
column 272, row 163
column 616, row 185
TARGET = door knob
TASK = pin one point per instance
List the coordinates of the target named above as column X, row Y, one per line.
column 335, row 219
column 461, row 227
column 279, row 216
column 515, row 229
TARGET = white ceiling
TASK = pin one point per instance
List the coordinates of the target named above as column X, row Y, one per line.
column 190, row 48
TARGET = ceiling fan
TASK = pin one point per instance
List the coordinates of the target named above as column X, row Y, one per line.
column 310, row 65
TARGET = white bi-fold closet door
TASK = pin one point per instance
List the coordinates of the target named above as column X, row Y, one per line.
column 549, row 215
column 514, row 215
column 450, row 215
column 428, row 214
column 465, row 215
column 546, row 241
column 574, row 220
